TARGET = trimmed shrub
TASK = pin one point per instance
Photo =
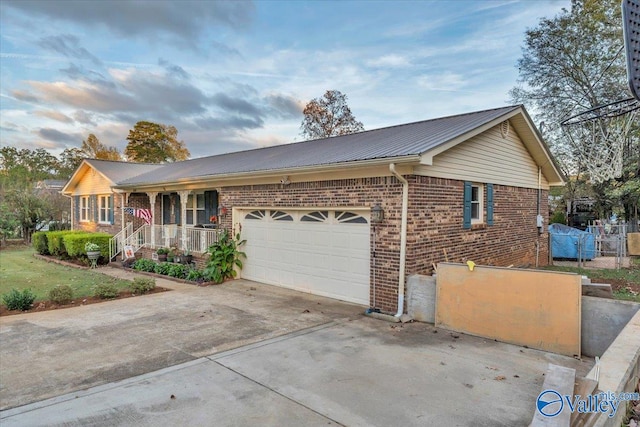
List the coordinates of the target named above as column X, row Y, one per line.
column 105, row 291
column 142, row 285
column 55, row 243
column 144, row 264
column 61, row 294
column 39, row 242
column 75, row 243
column 16, row 300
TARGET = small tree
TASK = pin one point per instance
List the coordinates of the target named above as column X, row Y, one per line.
column 329, row 116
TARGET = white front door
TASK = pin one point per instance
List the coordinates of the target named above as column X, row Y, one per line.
column 324, row 252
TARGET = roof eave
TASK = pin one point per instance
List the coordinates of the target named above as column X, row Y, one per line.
column 401, row 160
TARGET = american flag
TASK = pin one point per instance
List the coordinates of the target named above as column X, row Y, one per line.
column 145, row 214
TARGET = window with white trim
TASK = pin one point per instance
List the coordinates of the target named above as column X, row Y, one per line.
column 196, row 209
column 104, row 209
column 84, row 208
column 477, row 193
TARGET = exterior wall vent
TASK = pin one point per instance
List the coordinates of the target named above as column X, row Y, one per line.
column 504, row 129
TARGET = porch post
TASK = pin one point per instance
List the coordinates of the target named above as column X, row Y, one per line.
column 184, row 195
column 124, row 197
column 152, row 201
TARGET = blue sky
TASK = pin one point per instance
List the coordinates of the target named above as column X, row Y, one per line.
column 236, row 75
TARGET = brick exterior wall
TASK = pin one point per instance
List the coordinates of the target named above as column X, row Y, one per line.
column 136, row 200
column 435, row 222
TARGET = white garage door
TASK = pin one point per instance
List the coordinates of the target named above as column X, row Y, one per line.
column 322, row 252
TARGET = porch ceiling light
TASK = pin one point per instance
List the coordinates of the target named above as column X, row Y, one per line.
column 377, row 214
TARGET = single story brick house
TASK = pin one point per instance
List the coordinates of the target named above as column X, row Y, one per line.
column 471, row 186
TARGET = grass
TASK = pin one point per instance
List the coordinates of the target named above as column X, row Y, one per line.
column 21, row 270
column 621, row 280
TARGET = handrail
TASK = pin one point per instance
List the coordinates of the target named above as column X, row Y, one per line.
column 116, row 243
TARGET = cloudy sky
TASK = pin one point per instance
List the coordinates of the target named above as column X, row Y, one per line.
column 236, row 75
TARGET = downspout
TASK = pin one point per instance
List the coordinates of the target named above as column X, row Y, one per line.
column 538, row 216
column 403, row 237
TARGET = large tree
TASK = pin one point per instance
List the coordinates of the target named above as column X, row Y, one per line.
column 154, row 143
column 21, row 208
column 571, row 63
column 24, row 167
column 329, row 116
column 92, row 148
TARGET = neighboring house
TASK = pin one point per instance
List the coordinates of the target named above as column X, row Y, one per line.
column 462, row 187
column 50, row 185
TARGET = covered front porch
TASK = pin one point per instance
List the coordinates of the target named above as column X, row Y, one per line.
column 185, row 220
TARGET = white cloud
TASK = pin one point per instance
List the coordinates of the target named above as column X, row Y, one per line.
column 390, row 61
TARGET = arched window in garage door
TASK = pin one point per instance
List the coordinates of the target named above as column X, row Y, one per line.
column 255, row 215
column 350, row 217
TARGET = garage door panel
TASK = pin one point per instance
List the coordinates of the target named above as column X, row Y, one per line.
column 323, row 256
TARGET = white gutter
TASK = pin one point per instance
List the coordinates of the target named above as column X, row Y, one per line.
column 403, row 237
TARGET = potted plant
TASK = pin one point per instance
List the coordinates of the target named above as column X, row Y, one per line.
column 171, row 255
column 162, row 254
column 93, row 252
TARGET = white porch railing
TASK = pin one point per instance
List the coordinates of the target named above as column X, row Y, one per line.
column 184, row 238
column 117, row 242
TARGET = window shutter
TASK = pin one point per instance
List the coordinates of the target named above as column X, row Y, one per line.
column 466, row 223
column 76, row 209
column 489, row 204
column 94, row 206
column 111, row 209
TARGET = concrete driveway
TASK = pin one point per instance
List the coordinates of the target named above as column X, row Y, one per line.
column 248, row 354
column 55, row 352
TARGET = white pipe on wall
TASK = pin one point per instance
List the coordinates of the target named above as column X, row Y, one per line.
column 403, row 237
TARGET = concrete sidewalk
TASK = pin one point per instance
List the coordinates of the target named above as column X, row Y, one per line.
column 355, row 372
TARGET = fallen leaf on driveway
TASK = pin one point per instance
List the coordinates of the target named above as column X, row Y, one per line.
column 500, row 378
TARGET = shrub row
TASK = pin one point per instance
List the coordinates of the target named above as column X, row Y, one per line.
column 180, row 271
column 63, row 294
column 69, row 243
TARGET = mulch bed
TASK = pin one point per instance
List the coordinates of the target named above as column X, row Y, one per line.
column 48, row 305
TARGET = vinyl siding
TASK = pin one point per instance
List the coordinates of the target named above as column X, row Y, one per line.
column 92, row 183
column 487, row 157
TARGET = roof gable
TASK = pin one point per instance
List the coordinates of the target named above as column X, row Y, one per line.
column 111, row 171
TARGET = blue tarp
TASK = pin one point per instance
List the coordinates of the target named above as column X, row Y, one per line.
column 571, row 243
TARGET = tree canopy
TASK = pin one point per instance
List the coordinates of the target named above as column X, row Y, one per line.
column 154, row 143
column 328, row 116
column 571, row 63
column 92, row 148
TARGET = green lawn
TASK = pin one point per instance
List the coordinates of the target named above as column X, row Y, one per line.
column 625, row 281
column 20, row 269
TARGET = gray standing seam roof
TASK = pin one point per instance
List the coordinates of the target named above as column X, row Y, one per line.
column 390, row 142
column 119, row 171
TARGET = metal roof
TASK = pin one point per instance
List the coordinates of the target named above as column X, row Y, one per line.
column 120, row 171
column 390, row 142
